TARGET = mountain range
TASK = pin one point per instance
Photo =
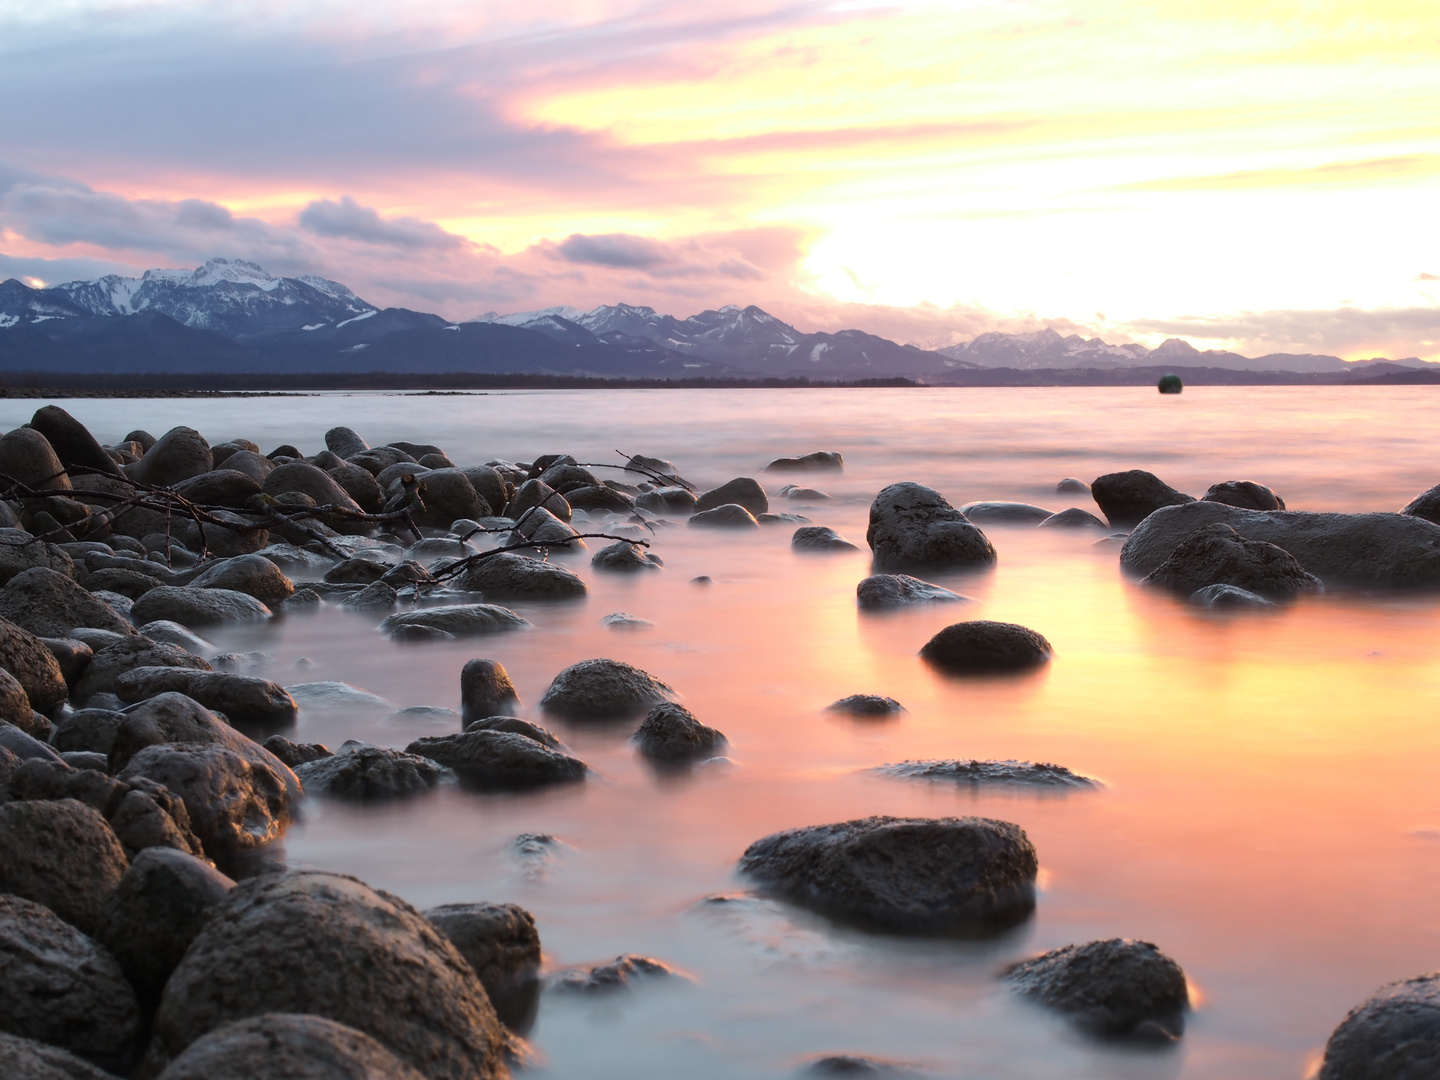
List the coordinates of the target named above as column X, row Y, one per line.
column 232, row 316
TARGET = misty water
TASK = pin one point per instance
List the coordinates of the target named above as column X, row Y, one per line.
column 1270, row 815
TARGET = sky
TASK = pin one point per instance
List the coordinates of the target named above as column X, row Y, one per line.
column 1263, row 176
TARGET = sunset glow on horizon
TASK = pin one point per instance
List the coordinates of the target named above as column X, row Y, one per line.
column 1260, row 177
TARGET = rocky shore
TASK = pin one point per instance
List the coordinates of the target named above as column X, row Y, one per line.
column 147, row 930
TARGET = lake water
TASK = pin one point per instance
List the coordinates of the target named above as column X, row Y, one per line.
column 1270, row 816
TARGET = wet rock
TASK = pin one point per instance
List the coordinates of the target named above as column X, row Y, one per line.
column 369, row 774
column 156, row 911
column 727, row 516
column 110, row 662
column 819, row 538
column 982, row 646
column 357, row 482
column 306, row 479
column 1005, row 513
column 344, row 442
column 450, row 495
column 245, row 699
column 516, row 726
column 87, row 760
column 1245, row 494
column 803, row 494
column 539, row 526
column 1128, row 498
column 330, row 946
column 975, row 773
column 457, row 620
column 198, row 606
column 25, row 657
column 603, row 688
column 509, row 576
column 1113, row 988
column 251, row 463
column 1228, row 596
column 620, row 974
column 1425, row 505
column 179, row 454
column 667, row 500
column 912, row 526
column 251, row 574
column 50, row 604
column 1364, row 550
column 600, row 498
column 295, row 754
column 172, row 633
column 866, row 705
column 61, row 988
column 339, row 696
column 90, row 730
column 537, row 493
column 27, row 1059
column 235, row 803
column 895, row 590
column 485, row 689
column 624, row 557
column 377, row 596
column 304, row 600
column 27, row 456
column 1072, row 486
column 222, row 487
column 1394, row 1035
column 425, row 714
column 9, row 762
column 821, row 460
column 501, row 943
column 379, row 458
column 71, row 654
column 620, row 620
column 360, row 570
column 742, row 491
column 671, row 733
column 906, row 875
column 14, row 703
column 499, row 760
column 1073, row 518
column 1218, row 555
column 60, row 853
column 294, row 1046
column 72, row 442
column 25, row 745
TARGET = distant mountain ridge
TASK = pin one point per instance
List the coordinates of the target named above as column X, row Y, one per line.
column 233, row 316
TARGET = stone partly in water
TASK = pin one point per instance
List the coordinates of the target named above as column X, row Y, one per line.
column 1394, row 1035
column 330, row 946
column 622, row 973
column 1245, row 494
column 1170, row 384
column 509, row 576
column 1218, row 555
column 60, row 987
column 103, row 672
column 252, row 574
column 725, row 516
column 624, row 557
column 670, row 733
column 1073, row 518
column 1384, row 551
column 914, row 527
column 1425, row 505
column 1117, row 988
column 1005, row 513
column 896, row 590
column 819, row 538
column 742, row 491
column 456, row 620
column 982, row 647
column 500, row 760
column 870, row 705
column 1228, row 596
column 975, row 773
column 294, row 1046
column 369, row 774
column 198, row 607
column 501, row 943
column 516, row 726
column 1071, row 486
column 1128, row 498
column 245, row 699
column 485, row 689
column 603, row 688
column 904, row 875
column 819, row 461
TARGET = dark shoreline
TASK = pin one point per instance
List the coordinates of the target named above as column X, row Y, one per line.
column 88, row 385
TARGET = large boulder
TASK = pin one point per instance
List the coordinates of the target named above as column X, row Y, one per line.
column 110, row 662
column 501, row 943
column 485, row 689
column 1394, row 1035
column 72, row 442
column 20, row 551
column 456, row 620
column 179, row 454
column 27, row 1059
column 489, row 485
column 58, row 986
column 1384, row 551
column 198, row 606
column 897, row 590
column 905, row 875
column 302, row 477
column 330, row 946
column 500, row 760
column 914, row 527
column 62, row 854
column 981, row 646
column 27, row 456
column 1116, row 988
column 345, row 442
column 1218, row 555
column 155, row 912
column 369, row 774
column 450, row 495
column 1425, row 505
column 743, row 491
column 1128, row 498
column 174, row 717
column 509, row 576
column 294, row 1046
column 670, row 733
column 604, row 688
column 245, row 699
column 252, row 574
column 50, row 604
column 1245, row 494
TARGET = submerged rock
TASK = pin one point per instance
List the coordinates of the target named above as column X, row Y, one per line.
column 973, row 772
column 1218, row 555
column 913, row 526
column 516, row 726
column 905, row 875
column 1114, row 988
column 1128, row 498
column 624, row 557
column 819, row 538
column 604, row 688
column 670, row 733
column 1005, row 513
column 1071, row 486
column 294, row 1046
column 1228, row 596
column 620, row 974
column 1073, row 518
column 983, row 646
column 369, row 774
column 500, row 760
column 457, row 620
column 819, row 461
column 894, row 590
column 866, row 705
column 1394, row 1035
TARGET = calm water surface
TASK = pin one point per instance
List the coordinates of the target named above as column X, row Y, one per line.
column 1271, row 816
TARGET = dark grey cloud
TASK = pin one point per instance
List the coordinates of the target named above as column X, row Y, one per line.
column 347, row 219
column 614, row 249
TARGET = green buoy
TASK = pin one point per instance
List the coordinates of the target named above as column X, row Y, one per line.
column 1171, row 384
